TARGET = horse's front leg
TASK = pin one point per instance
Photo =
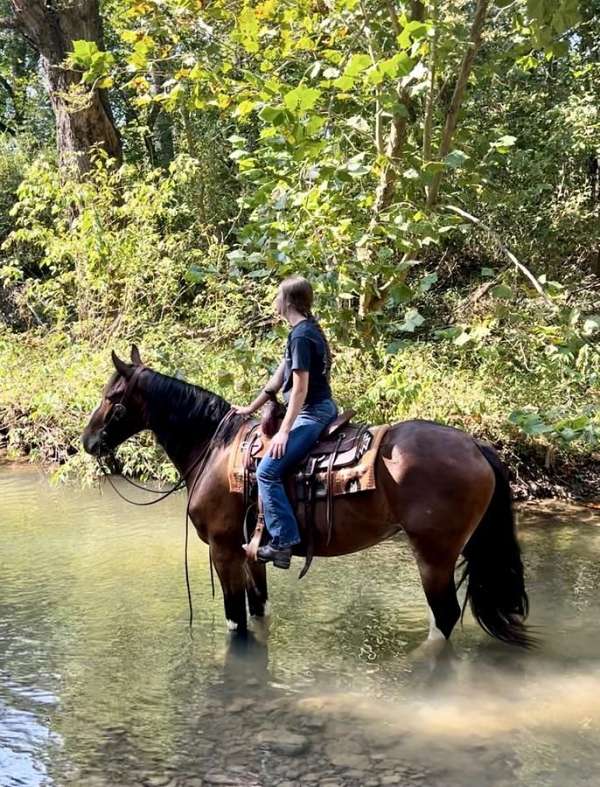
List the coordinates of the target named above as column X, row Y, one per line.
column 229, row 563
column 256, row 587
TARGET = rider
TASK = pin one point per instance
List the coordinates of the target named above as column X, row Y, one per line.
column 303, row 376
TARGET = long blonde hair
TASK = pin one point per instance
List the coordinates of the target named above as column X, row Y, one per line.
column 298, row 293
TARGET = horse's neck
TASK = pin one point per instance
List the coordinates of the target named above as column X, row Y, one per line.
column 184, row 441
column 187, row 456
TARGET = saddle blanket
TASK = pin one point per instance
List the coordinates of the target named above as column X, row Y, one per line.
column 352, row 466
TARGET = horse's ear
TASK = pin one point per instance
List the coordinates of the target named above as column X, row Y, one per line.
column 124, row 369
column 136, row 358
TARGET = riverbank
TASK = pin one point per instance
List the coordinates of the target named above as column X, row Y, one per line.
column 50, row 383
column 566, row 484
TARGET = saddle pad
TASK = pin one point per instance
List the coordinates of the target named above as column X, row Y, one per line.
column 249, row 445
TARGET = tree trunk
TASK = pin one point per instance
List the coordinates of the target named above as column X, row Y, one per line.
column 161, row 127
column 83, row 117
column 386, row 188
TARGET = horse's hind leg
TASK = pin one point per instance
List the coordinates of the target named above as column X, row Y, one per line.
column 432, row 659
column 256, row 589
column 437, row 577
column 440, row 591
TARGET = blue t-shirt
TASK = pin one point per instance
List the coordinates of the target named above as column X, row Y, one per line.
column 305, row 351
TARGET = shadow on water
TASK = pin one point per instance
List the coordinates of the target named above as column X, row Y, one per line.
column 101, row 684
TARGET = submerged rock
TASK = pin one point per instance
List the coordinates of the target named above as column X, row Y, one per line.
column 239, row 704
column 157, row 781
column 284, row 742
column 347, row 753
column 218, row 777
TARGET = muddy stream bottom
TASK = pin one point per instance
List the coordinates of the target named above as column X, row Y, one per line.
column 101, row 683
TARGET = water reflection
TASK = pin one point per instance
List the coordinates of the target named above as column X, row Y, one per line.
column 101, row 684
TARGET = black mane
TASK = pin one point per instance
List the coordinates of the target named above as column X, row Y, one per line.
column 179, row 410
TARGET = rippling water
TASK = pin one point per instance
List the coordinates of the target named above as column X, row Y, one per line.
column 101, row 683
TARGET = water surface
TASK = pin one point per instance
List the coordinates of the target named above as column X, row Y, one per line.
column 101, row 683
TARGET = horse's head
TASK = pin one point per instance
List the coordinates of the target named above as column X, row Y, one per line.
column 120, row 413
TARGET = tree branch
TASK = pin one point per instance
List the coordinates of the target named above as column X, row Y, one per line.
column 393, row 17
column 428, row 121
column 458, row 95
column 519, row 265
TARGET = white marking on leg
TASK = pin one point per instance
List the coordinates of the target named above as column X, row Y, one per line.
column 434, row 632
column 231, row 625
column 267, row 609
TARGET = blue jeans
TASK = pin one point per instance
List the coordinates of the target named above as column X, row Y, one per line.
column 279, row 516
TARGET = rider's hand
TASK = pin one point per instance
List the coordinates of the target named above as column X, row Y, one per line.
column 278, row 444
column 242, row 410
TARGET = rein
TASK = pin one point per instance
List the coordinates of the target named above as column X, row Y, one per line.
column 179, row 484
column 119, row 410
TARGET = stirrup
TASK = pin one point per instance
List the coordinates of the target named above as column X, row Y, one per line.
column 251, row 548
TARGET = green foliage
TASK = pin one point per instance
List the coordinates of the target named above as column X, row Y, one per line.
column 94, row 64
column 487, row 390
column 307, row 139
column 118, row 249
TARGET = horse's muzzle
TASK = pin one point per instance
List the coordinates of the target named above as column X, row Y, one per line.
column 92, row 443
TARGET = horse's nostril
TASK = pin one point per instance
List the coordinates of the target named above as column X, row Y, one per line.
column 91, row 443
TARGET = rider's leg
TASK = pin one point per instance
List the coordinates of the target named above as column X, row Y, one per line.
column 279, row 516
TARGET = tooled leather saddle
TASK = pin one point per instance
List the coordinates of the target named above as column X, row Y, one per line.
column 341, row 462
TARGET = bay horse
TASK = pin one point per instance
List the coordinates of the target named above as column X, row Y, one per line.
column 448, row 493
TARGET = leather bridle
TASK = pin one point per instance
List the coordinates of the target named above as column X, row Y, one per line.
column 119, row 409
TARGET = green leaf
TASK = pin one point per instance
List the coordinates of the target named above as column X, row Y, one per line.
column 503, row 144
column 83, row 51
column 400, row 293
column 530, row 422
column 413, row 31
column 249, row 29
column 412, row 320
column 456, row 159
column 502, row 291
column 301, row 98
column 344, row 83
column 397, row 66
column 237, row 255
column 433, row 167
column 273, row 115
column 245, row 108
column 357, row 64
column 427, row 282
column 449, row 333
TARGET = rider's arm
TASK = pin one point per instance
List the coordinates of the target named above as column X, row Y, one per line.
column 297, row 397
column 274, row 384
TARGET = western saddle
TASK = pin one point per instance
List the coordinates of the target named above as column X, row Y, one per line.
column 340, row 462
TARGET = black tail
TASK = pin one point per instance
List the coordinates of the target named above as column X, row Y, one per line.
column 493, row 570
